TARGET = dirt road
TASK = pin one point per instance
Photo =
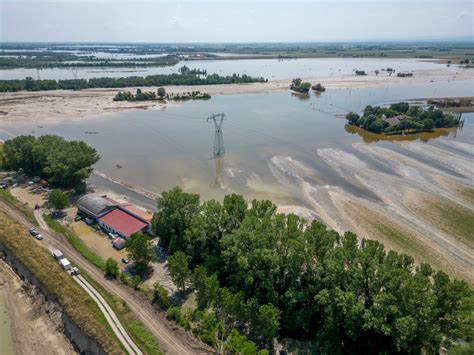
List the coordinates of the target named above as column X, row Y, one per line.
column 171, row 339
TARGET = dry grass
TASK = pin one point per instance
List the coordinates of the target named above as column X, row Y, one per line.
column 75, row 301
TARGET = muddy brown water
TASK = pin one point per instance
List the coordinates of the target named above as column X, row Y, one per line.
column 297, row 152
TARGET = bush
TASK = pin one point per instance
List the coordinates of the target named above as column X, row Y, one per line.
column 111, row 268
column 161, row 296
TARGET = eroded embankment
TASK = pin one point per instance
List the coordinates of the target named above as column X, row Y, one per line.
column 82, row 321
column 34, row 324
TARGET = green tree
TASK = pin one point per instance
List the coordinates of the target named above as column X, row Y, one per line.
column 111, row 268
column 352, row 118
column 135, row 282
column 161, row 296
column 239, row 344
column 62, row 163
column 179, row 269
column 58, row 199
column 161, row 93
column 175, row 212
column 140, row 250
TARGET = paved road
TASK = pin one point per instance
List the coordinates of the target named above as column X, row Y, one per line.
column 172, row 341
column 109, row 314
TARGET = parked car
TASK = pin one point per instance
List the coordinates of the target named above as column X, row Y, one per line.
column 77, row 218
column 75, row 271
column 125, row 260
column 30, row 183
column 33, row 232
column 39, row 237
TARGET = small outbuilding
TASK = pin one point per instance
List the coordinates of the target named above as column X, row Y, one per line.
column 119, row 243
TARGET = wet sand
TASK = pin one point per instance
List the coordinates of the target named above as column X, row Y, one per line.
column 422, row 209
column 60, row 105
column 31, row 330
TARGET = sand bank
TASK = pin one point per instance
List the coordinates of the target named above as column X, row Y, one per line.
column 59, row 105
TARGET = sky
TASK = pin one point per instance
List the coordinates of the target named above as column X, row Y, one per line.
column 234, row 21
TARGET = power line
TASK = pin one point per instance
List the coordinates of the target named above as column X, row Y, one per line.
column 218, row 119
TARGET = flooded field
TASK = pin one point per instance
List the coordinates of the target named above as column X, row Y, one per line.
column 414, row 193
column 271, row 69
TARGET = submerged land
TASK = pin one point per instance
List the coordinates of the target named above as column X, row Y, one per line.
column 413, row 193
column 54, row 106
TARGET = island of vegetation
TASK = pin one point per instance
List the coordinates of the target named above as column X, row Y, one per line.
column 401, row 118
column 30, row 84
column 300, row 86
column 185, row 70
column 318, row 88
column 160, row 95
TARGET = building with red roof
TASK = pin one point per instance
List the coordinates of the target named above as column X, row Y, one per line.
column 122, row 223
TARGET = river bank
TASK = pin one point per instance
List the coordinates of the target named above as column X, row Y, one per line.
column 32, row 331
column 61, row 105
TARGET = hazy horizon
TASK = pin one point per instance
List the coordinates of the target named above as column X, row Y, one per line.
column 194, row 22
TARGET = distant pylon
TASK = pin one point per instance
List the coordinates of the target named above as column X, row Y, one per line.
column 218, row 119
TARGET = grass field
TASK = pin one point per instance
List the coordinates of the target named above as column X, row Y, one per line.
column 11, row 200
column 75, row 301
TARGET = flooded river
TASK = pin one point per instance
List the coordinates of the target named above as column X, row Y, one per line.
column 271, row 69
column 298, row 152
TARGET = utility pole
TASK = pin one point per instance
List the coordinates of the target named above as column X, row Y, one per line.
column 218, row 119
column 74, row 74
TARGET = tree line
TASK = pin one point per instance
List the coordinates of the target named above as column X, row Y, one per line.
column 408, row 118
column 160, row 95
column 30, row 84
column 41, row 60
column 260, row 274
column 63, row 163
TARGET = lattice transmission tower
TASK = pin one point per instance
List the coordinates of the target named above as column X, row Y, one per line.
column 218, row 119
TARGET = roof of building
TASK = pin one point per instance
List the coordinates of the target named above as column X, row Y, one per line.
column 133, row 209
column 392, row 121
column 123, row 223
column 138, row 212
column 118, row 242
column 402, row 117
column 94, row 205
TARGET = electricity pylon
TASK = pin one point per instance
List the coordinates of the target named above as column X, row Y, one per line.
column 74, row 74
column 218, row 119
